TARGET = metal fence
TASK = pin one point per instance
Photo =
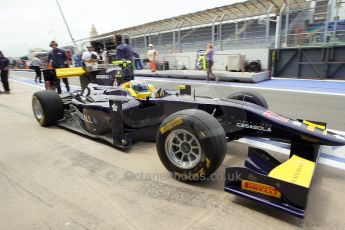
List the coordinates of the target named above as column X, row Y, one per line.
column 305, row 24
column 225, row 34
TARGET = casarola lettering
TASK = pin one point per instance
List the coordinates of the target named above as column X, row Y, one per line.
column 255, row 127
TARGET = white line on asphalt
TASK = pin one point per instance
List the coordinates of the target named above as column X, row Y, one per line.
column 234, row 86
column 332, row 163
column 76, row 86
column 37, row 86
column 285, row 150
column 247, row 86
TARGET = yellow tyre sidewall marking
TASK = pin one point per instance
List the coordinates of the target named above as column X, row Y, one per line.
column 171, row 124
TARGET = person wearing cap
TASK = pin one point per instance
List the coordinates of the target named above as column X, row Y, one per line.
column 57, row 59
column 152, row 56
column 4, row 63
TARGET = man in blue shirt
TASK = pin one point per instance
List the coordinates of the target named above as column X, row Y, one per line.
column 4, row 62
column 58, row 59
column 123, row 51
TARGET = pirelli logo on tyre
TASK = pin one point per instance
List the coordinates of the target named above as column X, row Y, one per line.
column 171, row 124
column 260, row 188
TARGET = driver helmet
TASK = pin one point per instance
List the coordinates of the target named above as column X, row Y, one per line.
column 139, row 86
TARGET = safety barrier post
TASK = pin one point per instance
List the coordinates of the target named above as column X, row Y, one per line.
column 174, row 36
column 213, row 28
column 278, row 27
column 145, row 41
column 220, row 32
column 326, row 25
column 268, row 24
column 179, row 36
column 287, row 22
column 236, row 31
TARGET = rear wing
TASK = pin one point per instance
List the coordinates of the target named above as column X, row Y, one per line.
column 120, row 72
column 70, row 72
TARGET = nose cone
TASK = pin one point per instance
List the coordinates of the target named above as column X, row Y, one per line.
column 333, row 139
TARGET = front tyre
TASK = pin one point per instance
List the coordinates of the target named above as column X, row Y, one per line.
column 250, row 96
column 191, row 144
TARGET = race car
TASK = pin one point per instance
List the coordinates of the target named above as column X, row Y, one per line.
column 191, row 132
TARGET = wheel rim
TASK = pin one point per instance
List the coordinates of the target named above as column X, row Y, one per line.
column 37, row 108
column 183, row 149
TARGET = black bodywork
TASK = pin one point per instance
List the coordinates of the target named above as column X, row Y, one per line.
column 112, row 114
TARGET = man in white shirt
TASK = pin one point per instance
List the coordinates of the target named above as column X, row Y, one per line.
column 90, row 57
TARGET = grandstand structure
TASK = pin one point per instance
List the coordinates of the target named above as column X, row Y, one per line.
column 251, row 28
column 242, row 25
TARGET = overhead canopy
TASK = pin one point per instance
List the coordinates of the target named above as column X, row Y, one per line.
column 245, row 9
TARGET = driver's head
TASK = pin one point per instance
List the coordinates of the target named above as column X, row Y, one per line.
column 139, row 86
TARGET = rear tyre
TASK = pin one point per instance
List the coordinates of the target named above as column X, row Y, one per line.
column 191, row 144
column 252, row 97
column 47, row 107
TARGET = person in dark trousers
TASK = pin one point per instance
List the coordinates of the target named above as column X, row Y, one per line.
column 4, row 62
column 137, row 61
column 58, row 59
column 209, row 54
column 36, row 64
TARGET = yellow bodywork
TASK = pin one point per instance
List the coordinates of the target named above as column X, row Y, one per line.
column 122, row 63
column 69, row 72
column 296, row 170
column 312, row 126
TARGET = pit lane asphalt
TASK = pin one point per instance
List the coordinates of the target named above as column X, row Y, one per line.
column 54, row 179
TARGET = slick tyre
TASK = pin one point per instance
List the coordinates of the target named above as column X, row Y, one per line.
column 252, row 97
column 191, row 144
column 47, row 107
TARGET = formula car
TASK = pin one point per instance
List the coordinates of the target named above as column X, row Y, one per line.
column 191, row 133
